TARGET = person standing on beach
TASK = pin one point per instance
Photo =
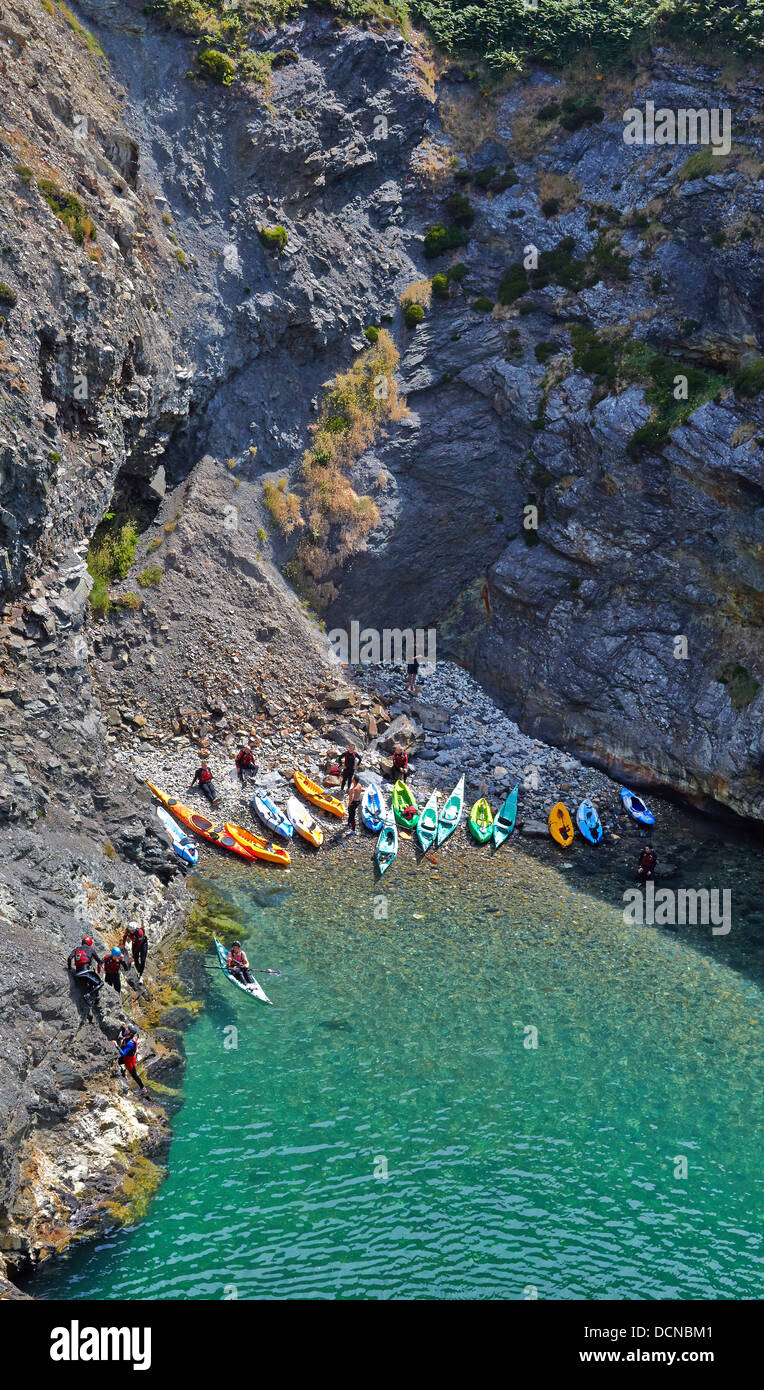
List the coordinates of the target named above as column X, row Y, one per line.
column 355, row 797
column 349, row 764
column 412, row 671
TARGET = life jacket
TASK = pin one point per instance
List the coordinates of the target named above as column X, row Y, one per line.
column 136, row 933
column 205, row 775
column 237, row 957
column 129, row 1052
column 349, row 760
column 245, row 758
column 408, row 812
column 400, row 761
column 82, row 957
column 112, row 965
column 648, row 860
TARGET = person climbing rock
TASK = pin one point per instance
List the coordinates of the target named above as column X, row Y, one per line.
column 137, row 936
column 349, row 764
column 355, row 796
column 86, row 963
column 127, row 1047
column 113, row 965
column 647, row 862
column 245, row 762
column 412, row 671
column 400, row 760
column 238, row 965
column 206, row 785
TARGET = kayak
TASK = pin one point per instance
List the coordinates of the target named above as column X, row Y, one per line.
column 589, row 822
column 272, row 817
column 215, row 834
column 387, row 844
column 636, row 807
column 182, row 843
column 404, row 801
column 255, row 991
column 427, row 825
column 320, row 798
column 481, row 821
column 302, row 821
column 451, row 813
column 257, row 846
column 373, row 809
column 560, row 825
column 505, row 819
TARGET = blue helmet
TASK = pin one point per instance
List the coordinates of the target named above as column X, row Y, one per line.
column 116, row 951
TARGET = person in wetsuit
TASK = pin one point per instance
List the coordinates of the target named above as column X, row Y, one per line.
column 86, row 964
column 238, row 965
column 203, row 777
column 646, row 865
column 245, row 762
column 349, row 764
column 113, row 965
column 139, row 941
column 355, row 796
column 127, row 1046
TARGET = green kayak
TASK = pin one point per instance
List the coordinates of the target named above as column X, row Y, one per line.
column 481, row 821
column 451, row 813
column 403, row 802
column 505, row 819
column 427, row 829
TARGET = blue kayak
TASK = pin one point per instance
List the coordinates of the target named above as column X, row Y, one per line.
column 636, row 807
column 589, row 822
column 373, row 808
column 275, row 819
column 182, row 843
column 504, row 823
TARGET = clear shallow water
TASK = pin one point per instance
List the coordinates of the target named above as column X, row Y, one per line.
column 509, row 1168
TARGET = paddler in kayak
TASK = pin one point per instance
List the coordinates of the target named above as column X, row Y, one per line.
column 127, row 1047
column 245, row 762
column 349, row 764
column 646, row 865
column 136, row 935
column 113, row 965
column 238, row 965
column 86, row 963
column 355, row 797
column 206, row 785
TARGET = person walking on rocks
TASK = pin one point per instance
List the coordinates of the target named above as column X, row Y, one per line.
column 127, row 1047
column 355, row 797
column 245, row 762
column 206, row 785
column 139, row 941
column 86, row 963
column 349, row 764
column 412, row 671
column 113, row 965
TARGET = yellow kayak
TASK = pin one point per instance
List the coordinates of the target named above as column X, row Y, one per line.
column 257, row 846
column 320, row 798
column 560, row 825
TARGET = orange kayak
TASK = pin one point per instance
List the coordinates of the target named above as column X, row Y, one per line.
column 560, row 825
column 257, row 846
column 320, row 798
column 194, row 820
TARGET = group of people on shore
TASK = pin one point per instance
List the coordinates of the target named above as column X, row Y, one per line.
column 87, row 966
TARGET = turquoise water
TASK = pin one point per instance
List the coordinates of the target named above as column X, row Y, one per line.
column 401, row 1045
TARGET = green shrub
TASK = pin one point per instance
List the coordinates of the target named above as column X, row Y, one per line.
column 69, row 209
column 513, row 284
column 25, row 173
column 649, row 438
column 577, row 114
column 150, row 577
column 273, row 238
column 371, row 333
column 457, row 272
column 439, row 239
column 483, row 305
column 99, row 597
column 484, row 176
column 550, row 112
column 440, row 284
column 543, row 351
column 7, row 295
column 412, row 315
column 284, row 57
column 742, row 687
column 559, row 267
column 698, row 165
column 506, row 180
column 460, row 209
column 750, row 380
column 550, row 207
column 609, row 259
column 218, row 66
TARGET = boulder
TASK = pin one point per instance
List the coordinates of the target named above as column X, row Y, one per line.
column 434, row 718
column 535, row 827
column 340, row 699
column 403, row 732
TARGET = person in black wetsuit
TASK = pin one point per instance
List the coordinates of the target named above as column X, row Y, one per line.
column 412, row 671
column 113, row 965
column 86, row 963
column 349, row 764
column 238, row 965
column 137, row 936
column 203, row 777
column 646, row 865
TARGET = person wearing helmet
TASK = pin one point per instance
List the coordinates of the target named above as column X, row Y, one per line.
column 138, row 938
column 127, row 1047
column 86, row 964
column 238, row 965
column 113, row 965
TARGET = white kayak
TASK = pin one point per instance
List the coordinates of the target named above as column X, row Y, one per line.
column 303, row 822
column 373, row 808
column 255, row 991
column 272, row 816
column 182, row 843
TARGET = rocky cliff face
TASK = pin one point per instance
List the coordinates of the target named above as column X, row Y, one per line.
column 157, row 357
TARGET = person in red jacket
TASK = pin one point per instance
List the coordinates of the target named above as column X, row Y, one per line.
column 245, row 762
column 206, row 785
column 113, row 965
column 127, row 1047
column 137, row 936
column 400, row 761
column 86, row 963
